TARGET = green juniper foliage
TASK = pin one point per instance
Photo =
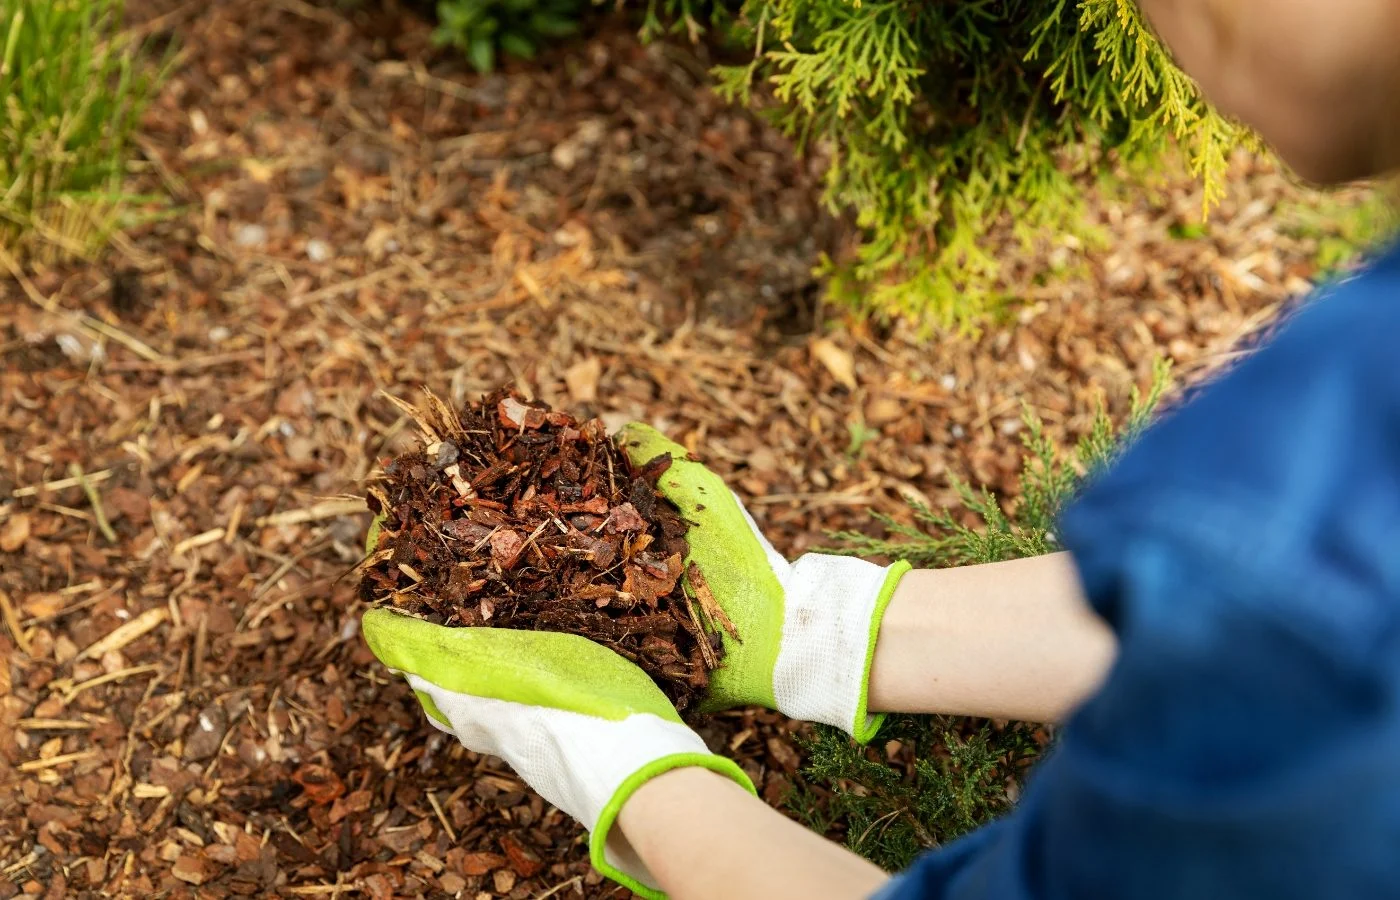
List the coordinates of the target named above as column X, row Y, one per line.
column 938, row 539
column 72, row 91
column 964, row 771
column 943, row 118
column 958, row 781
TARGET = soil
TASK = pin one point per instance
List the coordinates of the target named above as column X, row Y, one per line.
column 514, row 515
column 186, row 706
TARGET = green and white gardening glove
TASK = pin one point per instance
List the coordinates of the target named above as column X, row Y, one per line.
column 807, row 629
column 581, row 725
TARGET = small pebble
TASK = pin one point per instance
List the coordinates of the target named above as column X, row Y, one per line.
column 958, row 432
column 74, row 349
column 250, row 236
column 949, row 382
column 318, row 250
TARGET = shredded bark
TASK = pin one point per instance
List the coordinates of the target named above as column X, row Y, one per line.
column 514, row 515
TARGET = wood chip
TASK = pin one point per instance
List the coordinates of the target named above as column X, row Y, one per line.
column 706, row 597
column 837, row 360
column 316, row 890
column 145, row 791
column 192, row 869
column 14, row 532
column 582, row 379
column 125, row 634
column 459, row 484
column 706, row 651
column 202, row 539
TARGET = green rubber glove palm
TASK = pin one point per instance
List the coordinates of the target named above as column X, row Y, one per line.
column 807, row 629
column 581, row 725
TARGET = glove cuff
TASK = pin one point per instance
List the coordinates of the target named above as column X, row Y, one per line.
column 631, row 873
column 831, row 619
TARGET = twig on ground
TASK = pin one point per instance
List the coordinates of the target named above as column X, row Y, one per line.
column 82, row 321
column 125, row 634
column 12, row 622
column 53, row 725
column 325, row 509
column 35, row 765
column 121, row 675
column 442, row 817
column 204, row 538
column 559, row 887
column 95, row 499
column 61, row 484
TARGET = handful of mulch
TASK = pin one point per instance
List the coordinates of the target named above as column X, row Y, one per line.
column 513, row 515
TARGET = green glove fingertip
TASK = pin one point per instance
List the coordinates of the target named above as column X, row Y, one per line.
column 642, row 444
column 372, row 536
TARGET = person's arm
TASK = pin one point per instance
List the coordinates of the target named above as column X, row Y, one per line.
column 703, row 836
column 1013, row 640
column 839, row 640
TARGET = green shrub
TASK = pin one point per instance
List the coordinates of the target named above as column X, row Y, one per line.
column 73, row 92
column 1345, row 225
column 963, row 770
column 944, row 118
column 483, row 28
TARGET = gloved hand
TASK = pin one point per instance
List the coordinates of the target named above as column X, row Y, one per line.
column 581, row 725
column 806, row 629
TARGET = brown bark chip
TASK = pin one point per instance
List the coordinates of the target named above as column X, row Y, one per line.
column 517, row 516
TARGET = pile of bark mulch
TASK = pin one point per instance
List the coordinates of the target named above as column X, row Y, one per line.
column 514, row 515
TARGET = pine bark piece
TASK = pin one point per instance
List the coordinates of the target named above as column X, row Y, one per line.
column 514, row 515
column 706, row 598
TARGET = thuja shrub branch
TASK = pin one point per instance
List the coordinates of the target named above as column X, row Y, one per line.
column 945, row 119
column 927, row 779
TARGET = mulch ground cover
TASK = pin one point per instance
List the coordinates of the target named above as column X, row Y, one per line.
column 518, row 516
column 187, row 429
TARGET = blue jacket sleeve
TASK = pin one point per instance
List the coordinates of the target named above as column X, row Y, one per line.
column 1247, row 553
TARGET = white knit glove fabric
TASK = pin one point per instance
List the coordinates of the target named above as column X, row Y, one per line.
column 581, row 725
column 828, row 635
